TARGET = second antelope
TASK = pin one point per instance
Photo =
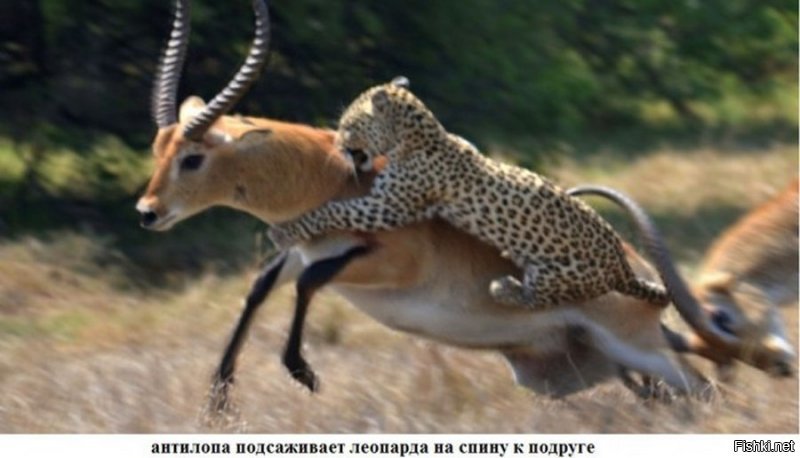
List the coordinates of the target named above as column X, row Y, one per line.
column 748, row 275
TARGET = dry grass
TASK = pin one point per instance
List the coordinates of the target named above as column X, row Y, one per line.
column 81, row 352
column 685, row 183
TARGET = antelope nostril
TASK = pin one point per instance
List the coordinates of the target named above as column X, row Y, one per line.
column 148, row 218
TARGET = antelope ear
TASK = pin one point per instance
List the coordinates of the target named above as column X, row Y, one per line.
column 401, row 81
column 190, row 108
column 720, row 282
column 380, row 101
column 252, row 139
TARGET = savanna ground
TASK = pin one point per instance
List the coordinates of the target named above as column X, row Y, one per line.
column 84, row 348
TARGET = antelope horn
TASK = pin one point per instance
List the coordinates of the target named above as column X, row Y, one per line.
column 247, row 74
column 165, row 90
column 686, row 304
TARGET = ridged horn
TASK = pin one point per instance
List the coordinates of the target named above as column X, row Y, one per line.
column 165, row 90
column 247, row 74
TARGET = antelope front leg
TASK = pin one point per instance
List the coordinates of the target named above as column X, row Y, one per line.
column 311, row 280
column 281, row 268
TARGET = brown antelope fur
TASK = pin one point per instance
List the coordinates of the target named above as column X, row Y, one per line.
column 428, row 278
column 751, row 271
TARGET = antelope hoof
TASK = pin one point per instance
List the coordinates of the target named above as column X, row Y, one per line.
column 219, row 399
column 307, row 378
column 301, row 371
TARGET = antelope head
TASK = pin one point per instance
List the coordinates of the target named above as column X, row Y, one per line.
column 204, row 158
column 748, row 312
column 188, row 149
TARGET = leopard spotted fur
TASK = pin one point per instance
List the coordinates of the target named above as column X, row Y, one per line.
column 568, row 252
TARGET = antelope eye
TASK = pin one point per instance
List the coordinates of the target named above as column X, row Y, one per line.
column 723, row 320
column 357, row 155
column 192, row 162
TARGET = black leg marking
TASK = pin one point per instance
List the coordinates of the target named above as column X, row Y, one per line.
column 223, row 377
column 312, row 279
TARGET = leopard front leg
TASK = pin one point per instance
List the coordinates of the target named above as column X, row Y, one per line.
column 510, row 291
column 388, row 206
column 329, row 217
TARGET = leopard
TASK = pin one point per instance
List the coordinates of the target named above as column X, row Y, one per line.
column 566, row 250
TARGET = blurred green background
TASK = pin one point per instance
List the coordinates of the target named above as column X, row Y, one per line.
column 535, row 80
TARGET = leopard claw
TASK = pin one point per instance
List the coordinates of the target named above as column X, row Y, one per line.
column 503, row 288
column 510, row 291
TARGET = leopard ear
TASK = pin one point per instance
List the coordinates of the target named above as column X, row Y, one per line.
column 380, row 101
column 401, row 81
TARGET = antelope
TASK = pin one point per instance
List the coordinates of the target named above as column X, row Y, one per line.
column 747, row 275
column 427, row 279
